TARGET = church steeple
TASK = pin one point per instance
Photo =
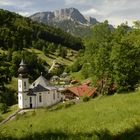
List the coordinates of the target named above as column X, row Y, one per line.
column 23, row 85
column 23, row 71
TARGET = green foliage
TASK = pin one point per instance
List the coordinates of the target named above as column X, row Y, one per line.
column 76, row 66
column 8, row 97
column 112, row 57
column 3, row 108
column 86, row 70
column 61, row 51
column 58, row 70
column 62, row 105
column 86, row 99
column 137, row 24
column 69, row 104
column 1, row 119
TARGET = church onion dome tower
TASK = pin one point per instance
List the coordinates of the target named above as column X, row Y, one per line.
column 23, row 71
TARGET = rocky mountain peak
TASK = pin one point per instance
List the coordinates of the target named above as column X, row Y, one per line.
column 69, row 14
column 68, row 19
column 72, row 14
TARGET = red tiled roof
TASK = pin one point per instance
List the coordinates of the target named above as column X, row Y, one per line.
column 82, row 90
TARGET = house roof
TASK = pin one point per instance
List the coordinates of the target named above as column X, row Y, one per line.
column 31, row 93
column 82, row 90
column 41, row 84
column 40, row 81
column 39, row 88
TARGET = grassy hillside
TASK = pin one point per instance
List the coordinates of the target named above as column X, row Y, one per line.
column 107, row 117
column 49, row 58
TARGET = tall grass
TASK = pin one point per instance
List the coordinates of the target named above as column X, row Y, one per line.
column 107, row 117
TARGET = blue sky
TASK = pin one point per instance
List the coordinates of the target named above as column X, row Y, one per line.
column 115, row 11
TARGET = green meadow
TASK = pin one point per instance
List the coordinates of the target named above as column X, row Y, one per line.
column 114, row 117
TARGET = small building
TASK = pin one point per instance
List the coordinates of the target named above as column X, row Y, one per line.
column 39, row 94
column 79, row 91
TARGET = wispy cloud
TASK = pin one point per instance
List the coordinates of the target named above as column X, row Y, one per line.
column 92, row 12
column 68, row 2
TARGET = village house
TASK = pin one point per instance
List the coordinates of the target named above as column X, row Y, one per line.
column 39, row 94
column 76, row 92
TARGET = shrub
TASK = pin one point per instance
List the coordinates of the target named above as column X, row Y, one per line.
column 1, row 119
column 64, row 105
column 57, row 107
column 68, row 104
column 86, row 99
column 3, row 108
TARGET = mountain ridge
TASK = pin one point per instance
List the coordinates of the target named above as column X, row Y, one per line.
column 68, row 19
column 64, row 14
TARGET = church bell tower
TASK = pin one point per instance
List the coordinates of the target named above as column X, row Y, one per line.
column 23, row 85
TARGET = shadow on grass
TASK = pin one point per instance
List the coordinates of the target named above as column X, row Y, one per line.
column 132, row 134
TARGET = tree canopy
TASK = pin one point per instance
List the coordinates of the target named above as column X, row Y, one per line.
column 112, row 57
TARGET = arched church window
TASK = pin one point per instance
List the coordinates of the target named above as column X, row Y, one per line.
column 58, row 95
column 54, row 95
column 30, row 99
column 40, row 98
column 25, row 85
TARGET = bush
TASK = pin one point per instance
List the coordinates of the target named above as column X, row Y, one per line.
column 64, row 105
column 86, row 99
column 76, row 66
column 68, row 104
column 3, row 108
column 1, row 119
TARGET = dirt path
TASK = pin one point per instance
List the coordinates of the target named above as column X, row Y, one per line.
column 10, row 117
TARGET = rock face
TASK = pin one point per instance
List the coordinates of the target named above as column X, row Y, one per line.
column 69, row 19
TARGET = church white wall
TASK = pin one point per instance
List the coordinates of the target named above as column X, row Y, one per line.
column 23, row 85
column 20, row 100
column 23, row 100
column 48, row 98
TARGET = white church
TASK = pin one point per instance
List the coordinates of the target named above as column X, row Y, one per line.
column 39, row 94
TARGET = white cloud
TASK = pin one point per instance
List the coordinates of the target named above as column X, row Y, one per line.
column 90, row 12
column 23, row 13
column 16, row 3
column 68, row 2
column 119, row 20
column 6, row 3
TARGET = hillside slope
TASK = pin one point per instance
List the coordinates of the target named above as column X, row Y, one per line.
column 111, row 117
column 18, row 35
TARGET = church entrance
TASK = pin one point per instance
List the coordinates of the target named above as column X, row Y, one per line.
column 31, row 105
column 31, row 102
